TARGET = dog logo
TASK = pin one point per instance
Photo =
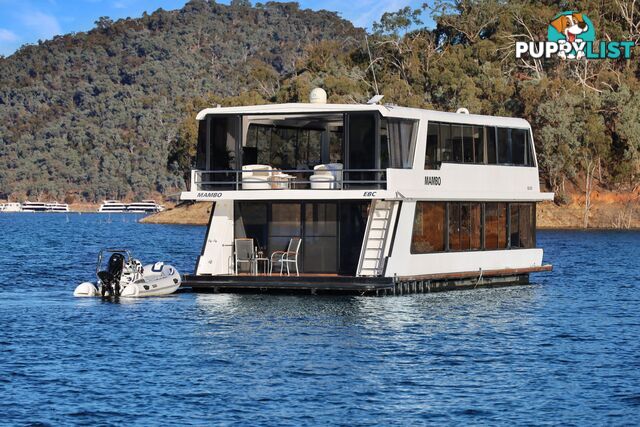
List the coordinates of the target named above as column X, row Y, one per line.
column 574, row 29
column 572, row 35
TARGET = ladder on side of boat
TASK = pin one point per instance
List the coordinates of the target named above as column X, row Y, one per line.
column 374, row 245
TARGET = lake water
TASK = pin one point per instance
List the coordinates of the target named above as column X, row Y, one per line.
column 564, row 350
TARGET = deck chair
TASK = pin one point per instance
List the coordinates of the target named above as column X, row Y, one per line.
column 290, row 256
column 245, row 253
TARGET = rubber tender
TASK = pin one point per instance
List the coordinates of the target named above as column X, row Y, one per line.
column 126, row 277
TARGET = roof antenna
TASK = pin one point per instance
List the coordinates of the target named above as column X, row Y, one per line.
column 373, row 70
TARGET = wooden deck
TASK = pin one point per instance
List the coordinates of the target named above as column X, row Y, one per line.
column 336, row 284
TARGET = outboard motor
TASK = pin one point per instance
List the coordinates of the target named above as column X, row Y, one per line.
column 111, row 277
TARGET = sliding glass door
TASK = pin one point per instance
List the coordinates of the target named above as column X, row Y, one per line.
column 273, row 224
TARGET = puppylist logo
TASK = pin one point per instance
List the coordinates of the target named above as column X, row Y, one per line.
column 571, row 35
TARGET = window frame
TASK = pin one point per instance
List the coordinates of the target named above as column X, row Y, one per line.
column 508, row 231
column 448, row 132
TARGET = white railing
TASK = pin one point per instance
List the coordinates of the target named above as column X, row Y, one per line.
column 289, row 179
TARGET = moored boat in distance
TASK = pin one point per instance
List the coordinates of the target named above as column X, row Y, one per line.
column 145, row 206
column 34, row 207
column 364, row 198
column 112, row 206
column 57, row 207
column 10, row 207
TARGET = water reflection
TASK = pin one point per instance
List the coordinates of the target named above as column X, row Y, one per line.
column 493, row 305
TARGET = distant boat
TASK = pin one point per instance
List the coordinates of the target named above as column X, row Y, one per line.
column 112, row 206
column 34, row 206
column 145, row 206
column 10, row 207
column 57, row 207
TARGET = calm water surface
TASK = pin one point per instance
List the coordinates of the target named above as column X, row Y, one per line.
column 563, row 350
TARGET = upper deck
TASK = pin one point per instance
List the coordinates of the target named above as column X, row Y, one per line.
column 352, row 151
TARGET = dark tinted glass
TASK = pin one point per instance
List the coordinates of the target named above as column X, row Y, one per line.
column 362, row 153
column 285, row 219
column 504, row 146
column 467, row 144
column 428, row 228
column 454, row 226
column 431, row 154
column 201, row 153
column 478, row 143
column 518, row 146
column 475, row 214
column 465, row 226
column 514, row 226
column 495, row 227
column 491, row 145
column 320, row 237
column 456, row 137
column 251, row 222
column 223, row 135
column 447, row 142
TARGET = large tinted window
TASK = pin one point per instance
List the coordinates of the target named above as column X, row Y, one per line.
column 251, row 221
column 431, row 155
column 467, row 144
column 320, row 237
column 285, row 223
column 282, row 147
column 478, row 144
column 504, row 146
column 522, row 225
column 519, row 146
column 428, row 228
column 455, row 143
column 362, row 153
column 491, row 145
column 466, row 227
column 201, row 153
column 456, row 140
column 446, row 142
column 514, row 147
column 362, row 132
column 454, row 227
column 475, row 226
column 495, row 220
column 224, row 132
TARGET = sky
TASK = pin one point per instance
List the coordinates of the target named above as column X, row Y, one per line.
column 27, row 21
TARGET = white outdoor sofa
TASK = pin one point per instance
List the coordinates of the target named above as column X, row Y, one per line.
column 264, row 177
column 326, row 177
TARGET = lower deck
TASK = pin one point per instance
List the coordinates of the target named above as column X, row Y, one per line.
column 338, row 284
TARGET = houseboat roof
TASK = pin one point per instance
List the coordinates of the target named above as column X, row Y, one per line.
column 385, row 110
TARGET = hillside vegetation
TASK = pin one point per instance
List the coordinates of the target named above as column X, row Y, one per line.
column 95, row 115
column 111, row 112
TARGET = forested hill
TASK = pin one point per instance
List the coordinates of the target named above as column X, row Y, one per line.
column 94, row 115
column 111, row 112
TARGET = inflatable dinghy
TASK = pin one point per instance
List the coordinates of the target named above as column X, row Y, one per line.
column 125, row 277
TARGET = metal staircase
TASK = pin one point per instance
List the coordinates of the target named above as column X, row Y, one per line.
column 374, row 246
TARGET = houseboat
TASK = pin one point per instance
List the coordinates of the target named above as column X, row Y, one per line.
column 34, row 207
column 57, row 207
column 370, row 198
column 10, row 207
column 112, row 206
column 145, row 206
